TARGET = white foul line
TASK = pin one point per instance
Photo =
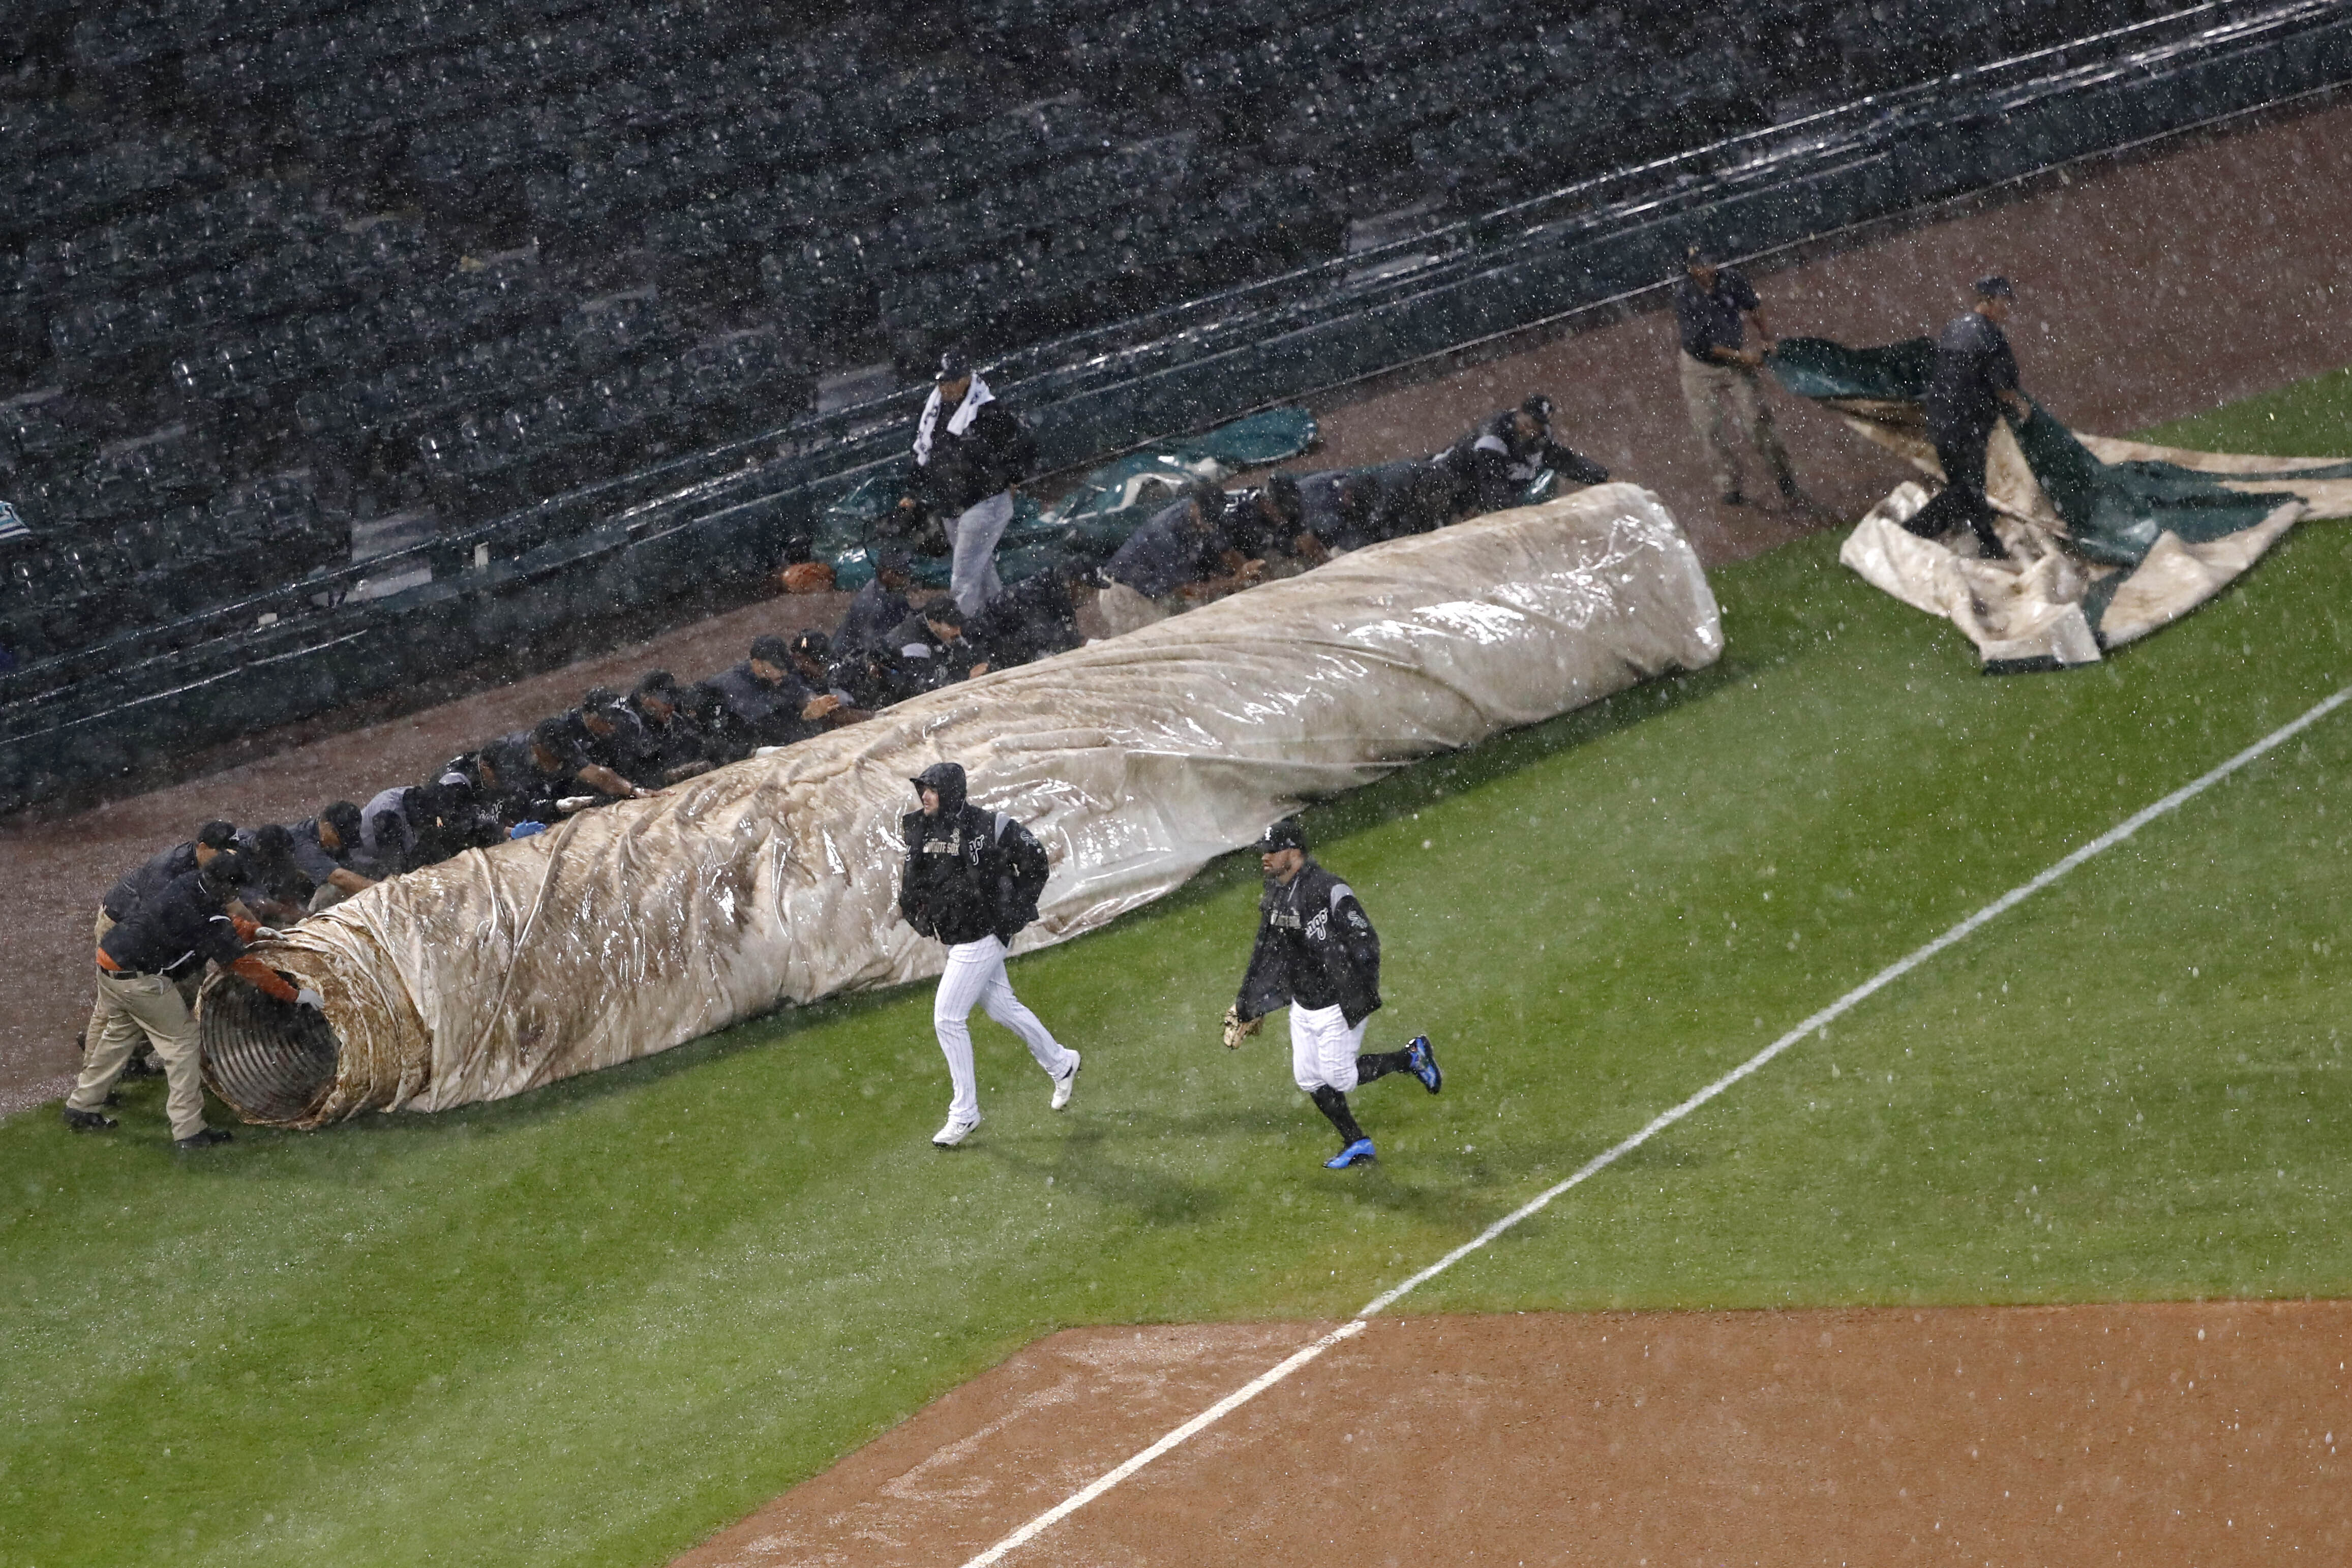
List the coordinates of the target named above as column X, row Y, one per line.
column 1666, row 1119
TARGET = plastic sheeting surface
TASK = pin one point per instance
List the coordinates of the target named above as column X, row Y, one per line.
column 1135, row 760
column 2111, row 540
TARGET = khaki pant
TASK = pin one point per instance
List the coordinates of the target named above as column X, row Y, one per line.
column 1727, row 411
column 135, row 1006
column 188, row 989
column 1123, row 609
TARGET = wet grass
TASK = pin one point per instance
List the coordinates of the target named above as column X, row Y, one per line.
column 590, row 1325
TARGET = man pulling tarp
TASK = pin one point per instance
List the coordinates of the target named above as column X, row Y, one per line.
column 2100, row 542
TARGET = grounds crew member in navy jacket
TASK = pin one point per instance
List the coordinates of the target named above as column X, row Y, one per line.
column 1317, row 953
column 972, row 881
column 969, row 452
column 173, row 933
column 1975, row 378
column 325, row 847
column 134, row 888
column 762, row 703
column 1720, row 387
column 1495, row 463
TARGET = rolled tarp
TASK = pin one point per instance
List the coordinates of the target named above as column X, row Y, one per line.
column 2110, row 539
column 1135, row 760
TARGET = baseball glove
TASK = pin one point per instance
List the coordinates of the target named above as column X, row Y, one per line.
column 1238, row 1028
column 806, row 577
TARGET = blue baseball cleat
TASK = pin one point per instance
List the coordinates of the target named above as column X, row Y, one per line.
column 1357, row 1153
column 1422, row 1056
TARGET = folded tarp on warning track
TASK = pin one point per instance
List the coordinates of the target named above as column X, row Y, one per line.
column 639, row 926
column 2110, row 539
column 1088, row 523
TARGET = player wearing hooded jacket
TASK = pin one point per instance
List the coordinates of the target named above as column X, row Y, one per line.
column 1317, row 953
column 972, row 881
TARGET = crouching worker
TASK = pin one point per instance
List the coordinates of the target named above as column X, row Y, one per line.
column 170, row 935
column 1493, row 465
column 972, row 881
column 1317, row 953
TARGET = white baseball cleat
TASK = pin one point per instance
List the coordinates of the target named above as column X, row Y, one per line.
column 956, row 1131
column 1067, row 1084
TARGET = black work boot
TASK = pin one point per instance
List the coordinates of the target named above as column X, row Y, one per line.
column 87, row 1120
column 205, row 1140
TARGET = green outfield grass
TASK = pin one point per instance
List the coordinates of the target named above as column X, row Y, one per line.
column 592, row 1325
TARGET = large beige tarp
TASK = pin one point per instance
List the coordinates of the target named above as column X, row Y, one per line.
column 2029, row 609
column 1135, row 760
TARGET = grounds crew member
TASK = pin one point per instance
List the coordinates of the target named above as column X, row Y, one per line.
column 611, row 735
column 816, row 667
column 324, row 847
column 760, row 702
column 675, row 746
column 273, row 889
column 969, row 454
column 134, row 888
column 1317, row 953
column 1975, row 378
column 1712, row 307
column 879, row 607
column 1179, row 556
column 929, row 650
column 139, row 962
column 1495, row 463
column 972, row 881
column 1268, row 525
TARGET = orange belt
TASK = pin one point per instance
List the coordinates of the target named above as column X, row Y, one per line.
column 106, row 962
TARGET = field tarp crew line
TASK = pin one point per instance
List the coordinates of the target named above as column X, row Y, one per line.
column 1714, row 305
column 1318, row 954
column 1975, row 378
column 972, row 881
column 170, row 935
column 969, row 452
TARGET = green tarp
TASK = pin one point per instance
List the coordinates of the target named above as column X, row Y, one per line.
column 2108, row 540
column 2114, row 512
column 1085, row 526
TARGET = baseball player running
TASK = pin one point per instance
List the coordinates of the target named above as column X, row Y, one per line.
column 973, row 880
column 1317, row 952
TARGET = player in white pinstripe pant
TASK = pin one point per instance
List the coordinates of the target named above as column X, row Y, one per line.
column 972, row 881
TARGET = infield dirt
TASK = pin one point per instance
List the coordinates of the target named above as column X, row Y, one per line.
column 2211, row 1433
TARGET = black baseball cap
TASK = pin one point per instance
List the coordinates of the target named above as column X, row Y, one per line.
column 1537, row 407
column 813, row 643
column 1697, row 255
column 601, row 697
column 554, row 733
column 1994, row 287
column 953, row 367
column 1288, row 834
column 216, row 834
column 659, row 683
column 888, row 557
column 345, row 818
column 771, row 650
column 944, row 610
